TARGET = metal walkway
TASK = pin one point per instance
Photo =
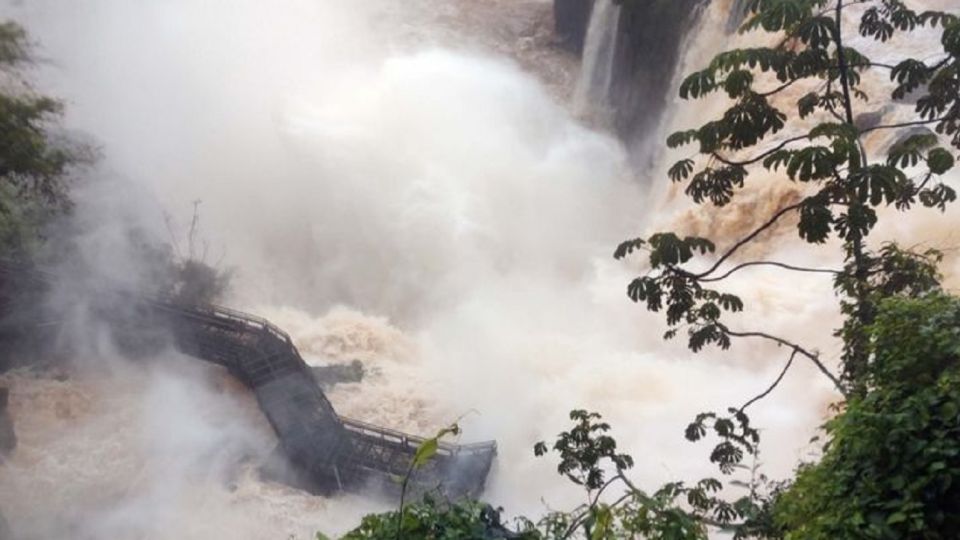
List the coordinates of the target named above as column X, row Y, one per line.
column 328, row 453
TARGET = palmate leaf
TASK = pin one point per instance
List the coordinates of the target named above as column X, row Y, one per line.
column 681, row 138
column 698, row 84
column 909, row 75
column 646, row 289
column 937, row 196
column 778, row 159
column 706, row 335
column 731, row 302
column 669, row 249
column 951, row 38
column 748, row 121
column 738, row 83
column 812, row 163
column 760, row 58
column 716, row 185
column 856, row 223
column 808, row 104
column 936, row 18
column 877, row 184
column 940, row 161
column 681, row 170
column 908, row 151
column 628, row 247
column 872, row 24
column 815, row 221
column 817, row 32
column 778, row 15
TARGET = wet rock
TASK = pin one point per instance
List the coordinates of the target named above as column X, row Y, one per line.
column 5, row 533
column 331, row 375
column 650, row 41
column 571, row 18
column 8, row 439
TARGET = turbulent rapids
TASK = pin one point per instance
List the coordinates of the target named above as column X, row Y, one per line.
column 327, row 453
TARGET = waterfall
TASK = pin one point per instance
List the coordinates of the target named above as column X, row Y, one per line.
column 592, row 93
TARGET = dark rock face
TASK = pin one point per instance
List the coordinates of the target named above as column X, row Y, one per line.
column 331, row 375
column 572, row 18
column 651, row 36
column 8, row 438
column 5, row 533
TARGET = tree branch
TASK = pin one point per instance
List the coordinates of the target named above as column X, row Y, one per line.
column 813, row 357
column 748, row 238
column 842, row 60
column 769, row 263
column 760, row 157
column 772, row 386
column 903, row 124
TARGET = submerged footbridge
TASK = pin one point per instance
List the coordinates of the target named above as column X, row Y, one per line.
column 333, row 452
column 326, row 452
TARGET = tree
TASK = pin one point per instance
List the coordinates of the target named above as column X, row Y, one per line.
column 34, row 161
column 843, row 184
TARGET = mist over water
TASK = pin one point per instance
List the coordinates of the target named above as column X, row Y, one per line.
column 427, row 209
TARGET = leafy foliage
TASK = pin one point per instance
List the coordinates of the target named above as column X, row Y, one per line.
column 34, row 162
column 432, row 519
column 892, row 460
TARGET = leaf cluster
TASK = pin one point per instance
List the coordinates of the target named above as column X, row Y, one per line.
column 437, row 519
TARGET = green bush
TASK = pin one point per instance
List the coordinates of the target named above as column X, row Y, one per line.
column 891, row 466
column 434, row 519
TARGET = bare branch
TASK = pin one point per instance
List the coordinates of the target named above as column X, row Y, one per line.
column 776, row 217
column 770, row 263
column 903, row 124
column 813, row 357
column 761, row 156
column 772, row 386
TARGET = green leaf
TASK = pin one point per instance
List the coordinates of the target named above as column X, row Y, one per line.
column 738, row 83
column 896, row 517
column 628, row 247
column 909, row 75
column 940, row 161
column 817, row 32
column 603, row 519
column 811, row 163
column 425, row 452
column 815, row 221
column 698, row 84
column 909, row 150
column 681, row 138
column 808, row 104
column 681, row 170
column 951, row 39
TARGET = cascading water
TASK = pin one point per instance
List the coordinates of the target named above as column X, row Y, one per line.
column 430, row 211
column 593, row 92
